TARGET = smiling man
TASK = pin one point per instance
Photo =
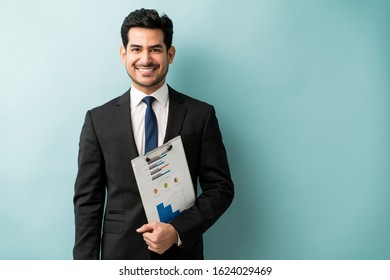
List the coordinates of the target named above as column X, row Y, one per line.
column 110, row 220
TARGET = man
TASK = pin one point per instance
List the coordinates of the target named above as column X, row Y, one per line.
column 109, row 216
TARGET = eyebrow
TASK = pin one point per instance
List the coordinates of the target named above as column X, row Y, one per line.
column 151, row 47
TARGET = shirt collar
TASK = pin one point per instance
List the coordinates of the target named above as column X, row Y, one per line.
column 161, row 96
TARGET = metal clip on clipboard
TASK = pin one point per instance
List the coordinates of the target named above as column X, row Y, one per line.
column 168, row 147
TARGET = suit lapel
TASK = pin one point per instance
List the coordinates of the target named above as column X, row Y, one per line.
column 123, row 121
column 176, row 115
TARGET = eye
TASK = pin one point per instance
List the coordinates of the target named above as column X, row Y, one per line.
column 156, row 50
column 136, row 50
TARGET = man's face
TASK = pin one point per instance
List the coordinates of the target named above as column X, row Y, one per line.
column 146, row 58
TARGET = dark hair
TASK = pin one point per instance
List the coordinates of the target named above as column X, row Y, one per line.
column 147, row 19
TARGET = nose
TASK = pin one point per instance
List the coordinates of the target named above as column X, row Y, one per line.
column 145, row 58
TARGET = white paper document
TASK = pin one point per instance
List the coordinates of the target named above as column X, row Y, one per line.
column 164, row 181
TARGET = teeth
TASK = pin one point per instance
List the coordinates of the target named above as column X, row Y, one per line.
column 145, row 69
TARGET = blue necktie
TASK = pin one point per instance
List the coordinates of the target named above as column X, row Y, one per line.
column 150, row 125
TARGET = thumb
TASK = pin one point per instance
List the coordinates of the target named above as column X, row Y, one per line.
column 145, row 228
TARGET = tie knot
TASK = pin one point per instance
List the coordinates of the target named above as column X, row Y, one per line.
column 148, row 100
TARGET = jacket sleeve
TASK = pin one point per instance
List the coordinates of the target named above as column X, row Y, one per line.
column 89, row 194
column 215, row 182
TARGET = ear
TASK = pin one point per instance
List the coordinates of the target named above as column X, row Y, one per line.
column 122, row 52
column 171, row 54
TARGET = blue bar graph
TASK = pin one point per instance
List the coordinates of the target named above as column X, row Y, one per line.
column 166, row 214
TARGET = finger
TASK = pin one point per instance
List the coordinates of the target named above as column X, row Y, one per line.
column 155, row 249
column 148, row 238
column 145, row 228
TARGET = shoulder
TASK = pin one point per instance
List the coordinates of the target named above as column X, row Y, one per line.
column 188, row 101
column 112, row 105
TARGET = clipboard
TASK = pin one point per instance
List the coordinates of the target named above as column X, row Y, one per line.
column 164, row 181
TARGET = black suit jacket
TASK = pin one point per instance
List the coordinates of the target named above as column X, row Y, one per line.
column 105, row 176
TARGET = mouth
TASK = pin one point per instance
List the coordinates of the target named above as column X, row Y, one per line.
column 147, row 71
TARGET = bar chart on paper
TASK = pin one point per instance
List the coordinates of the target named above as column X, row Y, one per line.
column 166, row 213
column 159, row 169
column 164, row 182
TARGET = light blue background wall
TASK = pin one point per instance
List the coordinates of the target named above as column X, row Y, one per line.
column 301, row 90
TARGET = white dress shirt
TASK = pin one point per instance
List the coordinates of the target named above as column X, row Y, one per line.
column 138, row 108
